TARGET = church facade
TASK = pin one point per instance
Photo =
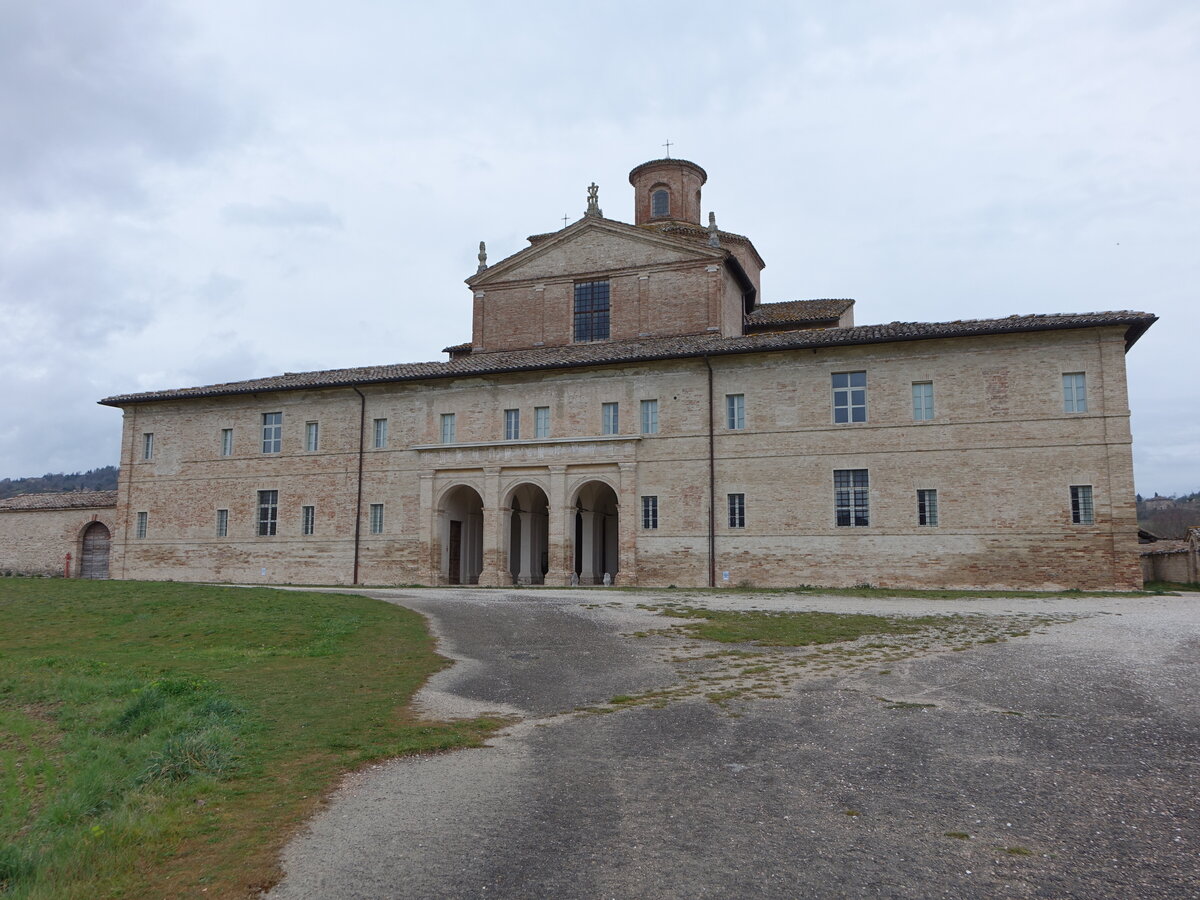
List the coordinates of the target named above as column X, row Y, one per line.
column 628, row 410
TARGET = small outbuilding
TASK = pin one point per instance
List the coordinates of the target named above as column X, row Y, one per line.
column 57, row 534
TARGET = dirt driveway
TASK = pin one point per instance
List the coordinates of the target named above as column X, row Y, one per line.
column 1037, row 748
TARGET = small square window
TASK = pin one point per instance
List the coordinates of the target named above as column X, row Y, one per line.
column 376, row 518
column 1082, row 510
column 448, row 428
column 308, row 519
column 849, row 397
column 227, row 442
column 1074, row 392
column 649, row 417
column 312, row 437
column 927, row 508
column 142, row 524
column 922, row 394
column 381, row 434
column 650, row 512
column 609, row 418
column 148, row 445
column 541, row 422
column 851, row 500
column 737, row 510
column 268, row 513
column 272, row 433
column 222, row 523
column 512, row 424
column 735, row 411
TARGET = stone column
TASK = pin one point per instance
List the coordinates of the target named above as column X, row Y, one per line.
column 525, row 573
column 587, row 546
column 427, row 526
column 561, row 530
column 627, row 523
column 495, row 520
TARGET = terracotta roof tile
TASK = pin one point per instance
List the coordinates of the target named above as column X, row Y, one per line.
column 61, row 500
column 796, row 312
column 648, row 349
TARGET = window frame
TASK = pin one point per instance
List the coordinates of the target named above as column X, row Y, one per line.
column 649, row 416
column 843, row 397
column 927, row 507
column 448, row 431
column 147, row 445
column 512, row 424
column 541, row 421
column 923, row 408
column 268, row 513
column 222, row 523
column 379, row 434
column 375, row 519
column 649, row 512
column 735, row 504
column 142, row 528
column 655, row 193
column 227, row 442
column 1074, row 392
column 272, row 433
column 308, row 520
column 735, row 412
column 312, row 437
column 857, row 498
column 591, row 312
column 610, row 417
column 1083, row 504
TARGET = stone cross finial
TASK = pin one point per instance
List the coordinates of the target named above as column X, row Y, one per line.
column 714, row 238
column 482, row 257
column 593, row 203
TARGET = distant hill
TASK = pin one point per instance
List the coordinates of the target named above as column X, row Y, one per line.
column 1169, row 517
column 104, row 479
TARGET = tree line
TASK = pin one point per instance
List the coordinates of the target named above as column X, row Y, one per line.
column 102, row 479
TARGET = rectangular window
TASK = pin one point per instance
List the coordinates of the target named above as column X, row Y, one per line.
column 268, row 512
column 148, row 445
column 380, row 434
column 849, row 397
column 512, row 424
column 227, row 442
column 649, row 512
column 1082, row 511
column 608, row 418
column 850, row 497
column 312, row 437
column 308, row 519
column 272, row 433
column 649, row 417
column 376, row 518
column 1074, row 392
column 737, row 510
column 541, row 421
column 591, row 311
column 927, row 511
column 222, row 523
column 447, row 428
column 735, row 411
column 142, row 524
column 922, row 400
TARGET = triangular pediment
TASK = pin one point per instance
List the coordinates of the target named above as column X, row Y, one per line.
column 595, row 245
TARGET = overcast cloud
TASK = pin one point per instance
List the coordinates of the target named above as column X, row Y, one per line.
column 209, row 191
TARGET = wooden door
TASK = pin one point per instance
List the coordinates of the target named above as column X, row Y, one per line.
column 93, row 561
column 454, row 575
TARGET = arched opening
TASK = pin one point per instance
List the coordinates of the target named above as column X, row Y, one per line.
column 460, row 526
column 597, row 541
column 660, row 202
column 93, row 556
column 529, row 529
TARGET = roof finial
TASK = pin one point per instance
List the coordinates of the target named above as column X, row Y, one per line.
column 714, row 237
column 668, row 146
column 482, row 257
column 593, row 203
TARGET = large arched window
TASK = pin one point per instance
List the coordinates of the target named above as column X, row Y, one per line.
column 660, row 202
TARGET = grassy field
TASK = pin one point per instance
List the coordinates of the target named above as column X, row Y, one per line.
column 163, row 740
column 794, row 629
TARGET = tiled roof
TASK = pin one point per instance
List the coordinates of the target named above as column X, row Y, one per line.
column 1164, row 547
column 797, row 312
column 61, row 500
column 647, row 349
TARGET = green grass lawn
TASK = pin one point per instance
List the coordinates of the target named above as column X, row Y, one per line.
column 795, row 629
column 161, row 739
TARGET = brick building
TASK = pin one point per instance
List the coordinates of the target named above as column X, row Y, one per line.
column 628, row 407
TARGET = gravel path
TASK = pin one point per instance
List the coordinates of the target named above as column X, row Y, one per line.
column 968, row 763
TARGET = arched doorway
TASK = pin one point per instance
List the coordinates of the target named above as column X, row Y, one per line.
column 528, row 535
column 93, row 557
column 597, row 541
column 460, row 526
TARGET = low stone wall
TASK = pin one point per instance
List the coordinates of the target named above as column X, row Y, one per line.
column 36, row 541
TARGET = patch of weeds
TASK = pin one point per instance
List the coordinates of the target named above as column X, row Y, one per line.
column 754, row 670
column 885, row 672
column 622, row 698
column 852, row 812
column 1017, row 851
column 794, row 629
column 958, row 835
column 1011, row 712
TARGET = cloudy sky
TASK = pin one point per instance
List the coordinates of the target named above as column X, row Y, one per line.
column 212, row 190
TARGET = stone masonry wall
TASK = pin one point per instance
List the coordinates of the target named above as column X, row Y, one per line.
column 36, row 541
